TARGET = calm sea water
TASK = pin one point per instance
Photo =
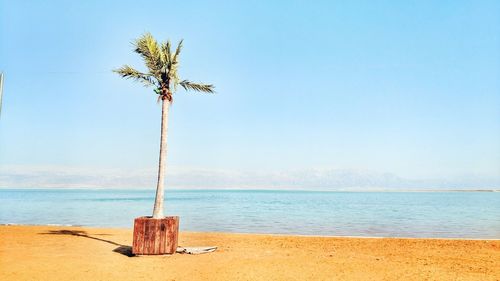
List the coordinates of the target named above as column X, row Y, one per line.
column 386, row 214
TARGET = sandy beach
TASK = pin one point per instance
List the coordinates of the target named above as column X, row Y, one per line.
column 75, row 253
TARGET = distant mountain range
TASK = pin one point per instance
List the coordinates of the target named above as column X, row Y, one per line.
column 197, row 178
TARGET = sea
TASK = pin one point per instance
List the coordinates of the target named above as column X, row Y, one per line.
column 473, row 215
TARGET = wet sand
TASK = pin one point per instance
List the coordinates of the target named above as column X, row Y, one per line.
column 75, row 253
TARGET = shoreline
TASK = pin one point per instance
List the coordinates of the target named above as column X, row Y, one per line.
column 90, row 253
column 258, row 233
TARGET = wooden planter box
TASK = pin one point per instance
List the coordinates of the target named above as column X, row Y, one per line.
column 155, row 236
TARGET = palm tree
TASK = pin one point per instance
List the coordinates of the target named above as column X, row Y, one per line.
column 162, row 65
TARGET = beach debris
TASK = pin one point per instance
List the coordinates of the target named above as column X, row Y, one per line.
column 195, row 250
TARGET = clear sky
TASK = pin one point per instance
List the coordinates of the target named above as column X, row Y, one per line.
column 309, row 94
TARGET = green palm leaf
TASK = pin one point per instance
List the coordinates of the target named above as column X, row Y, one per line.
column 150, row 51
column 175, row 58
column 129, row 72
column 199, row 87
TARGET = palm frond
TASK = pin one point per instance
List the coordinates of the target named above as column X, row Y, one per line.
column 165, row 55
column 175, row 58
column 172, row 72
column 199, row 87
column 148, row 48
column 168, row 49
column 131, row 73
column 166, row 58
column 173, row 78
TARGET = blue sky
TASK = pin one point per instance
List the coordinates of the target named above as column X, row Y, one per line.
column 350, row 93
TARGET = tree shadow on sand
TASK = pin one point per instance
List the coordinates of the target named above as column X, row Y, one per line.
column 122, row 249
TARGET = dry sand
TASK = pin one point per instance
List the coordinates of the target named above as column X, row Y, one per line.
column 56, row 253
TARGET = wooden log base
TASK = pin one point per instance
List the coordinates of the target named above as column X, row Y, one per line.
column 155, row 236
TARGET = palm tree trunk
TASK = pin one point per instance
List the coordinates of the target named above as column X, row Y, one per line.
column 158, row 208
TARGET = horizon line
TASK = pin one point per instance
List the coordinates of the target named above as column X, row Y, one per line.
column 257, row 189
